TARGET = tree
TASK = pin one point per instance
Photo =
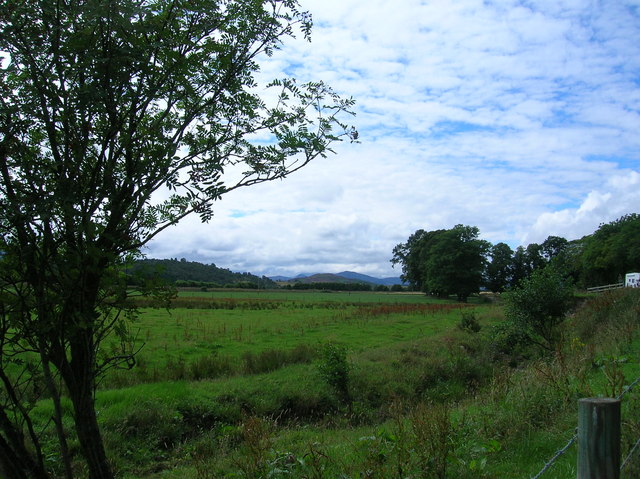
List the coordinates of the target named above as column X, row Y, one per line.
column 521, row 268
column 499, row 271
column 539, row 304
column 412, row 256
column 456, row 262
column 535, row 257
column 526, row 261
column 569, row 260
column 118, row 119
column 611, row 251
column 553, row 247
column 335, row 369
column 444, row 262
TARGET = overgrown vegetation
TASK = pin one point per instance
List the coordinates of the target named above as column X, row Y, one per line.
column 539, row 305
column 335, row 370
column 419, row 389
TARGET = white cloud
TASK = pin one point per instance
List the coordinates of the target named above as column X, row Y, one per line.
column 520, row 119
column 620, row 196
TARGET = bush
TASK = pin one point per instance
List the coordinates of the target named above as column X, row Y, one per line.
column 539, row 305
column 469, row 322
column 509, row 342
column 334, row 369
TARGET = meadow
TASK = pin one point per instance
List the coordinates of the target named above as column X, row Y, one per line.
column 300, row 384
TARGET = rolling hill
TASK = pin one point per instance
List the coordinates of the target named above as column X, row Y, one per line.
column 344, row 277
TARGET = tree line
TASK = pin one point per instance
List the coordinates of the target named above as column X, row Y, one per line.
column 457, row 262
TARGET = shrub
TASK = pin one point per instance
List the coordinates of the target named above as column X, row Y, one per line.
column 539, row 305
column 509, row 342
column 334, row 369
column 469, row 322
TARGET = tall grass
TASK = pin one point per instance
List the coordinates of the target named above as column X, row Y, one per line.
column 242, row 392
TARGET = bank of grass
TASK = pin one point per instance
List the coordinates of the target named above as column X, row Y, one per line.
column 238, row 393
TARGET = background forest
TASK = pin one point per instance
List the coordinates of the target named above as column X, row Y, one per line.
column 456, row 261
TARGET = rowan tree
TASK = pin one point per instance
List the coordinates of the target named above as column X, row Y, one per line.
column 117, row 119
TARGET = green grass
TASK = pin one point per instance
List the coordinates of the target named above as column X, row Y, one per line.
column 234, row 390
column 182, row 336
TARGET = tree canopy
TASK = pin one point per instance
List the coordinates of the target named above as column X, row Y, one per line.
column 611, row 251
column 499, row 273
column 444, row 262
column 412, row 257
column 117, row 119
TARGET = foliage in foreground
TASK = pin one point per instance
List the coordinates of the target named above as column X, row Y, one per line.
column 102, row 106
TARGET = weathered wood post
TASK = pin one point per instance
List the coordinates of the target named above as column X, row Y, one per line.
column 599, row 438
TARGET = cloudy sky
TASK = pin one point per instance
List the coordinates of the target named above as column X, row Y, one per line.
column 519, row 117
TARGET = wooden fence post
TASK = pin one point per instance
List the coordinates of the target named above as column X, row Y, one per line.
column 599, row 438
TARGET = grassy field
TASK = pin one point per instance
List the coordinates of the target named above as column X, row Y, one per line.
column 232, row 328
column 235, row 384
column 302, row 296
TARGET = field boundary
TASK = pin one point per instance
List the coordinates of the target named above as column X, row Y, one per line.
column 606, row 287
column 573, row 439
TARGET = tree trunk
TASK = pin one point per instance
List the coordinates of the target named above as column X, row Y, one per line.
column 15, row 460
column 57, row 416
column 89, row 435
column 79, row 376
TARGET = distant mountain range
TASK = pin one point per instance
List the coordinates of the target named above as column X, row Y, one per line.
column 344, row 277
column 173, row 270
